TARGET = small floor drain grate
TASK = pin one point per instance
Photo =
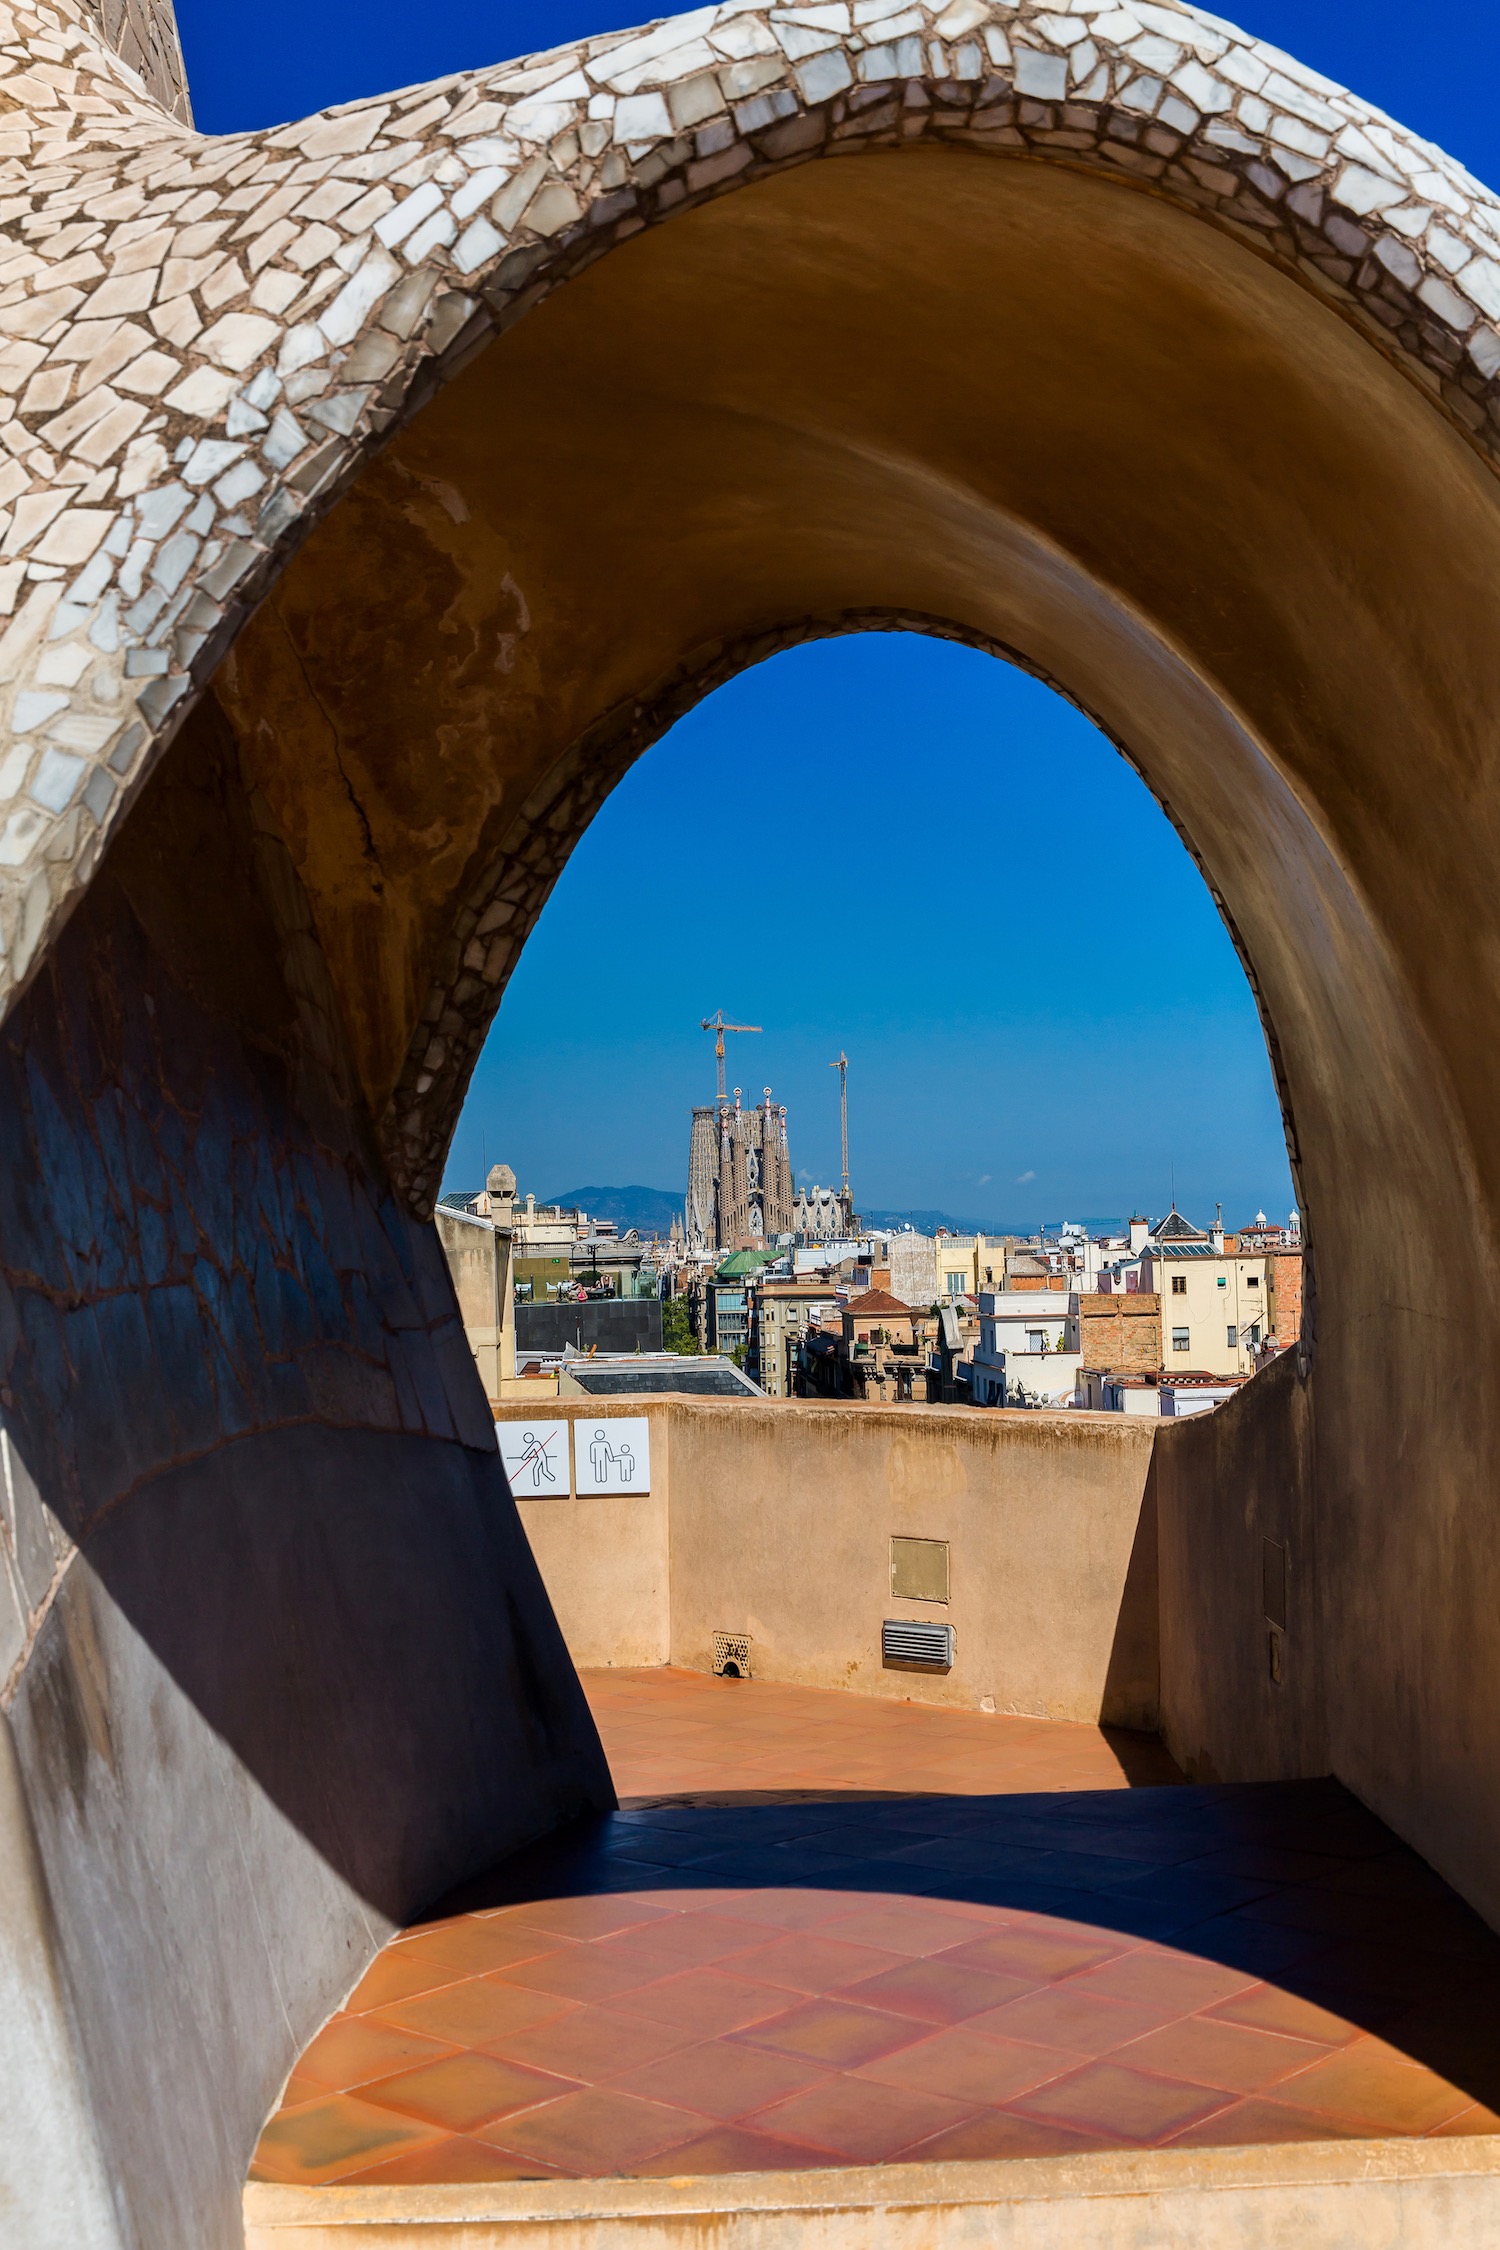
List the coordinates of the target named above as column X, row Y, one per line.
column 904, row 1641
column 732, row 1655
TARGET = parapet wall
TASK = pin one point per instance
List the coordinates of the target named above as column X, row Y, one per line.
column 776, row 1521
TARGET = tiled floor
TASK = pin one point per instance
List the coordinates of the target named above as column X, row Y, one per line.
column 828, row 1930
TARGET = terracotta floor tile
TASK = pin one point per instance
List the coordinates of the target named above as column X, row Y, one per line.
column 1060, row 2015
column 968, row 2067
column 706, row 2002
column 393, row 1976
column 721, row 2078
column 936, row 1991
column 299, row 2089
column 455, row 2161
column 1000, row 2133
column 592, row 1917
column 1168, row 1979
column 808, row 1962
column 1233, row 2056
column 1031, row 1880
column 1265, row 2007
column 1372, row 2085
column 351, row 2050
column 595, row 2133
column 1475, row 2119
column 686, row 1941
column 832, row 2033
column 582, row 1972
column 731, row 2148
column 1256, row 2122
column 859, row 2118
column 471, row 1945
column 475, row 2013
column 1035, row 1952
column 793, row 1908
column 464, row 2091
column 1127, row 2105
column 323, row 2140
column 684, row 1899
column 593, row 2044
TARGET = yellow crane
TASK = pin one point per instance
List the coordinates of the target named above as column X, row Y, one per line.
column 841, row 1065
column 716, row 1024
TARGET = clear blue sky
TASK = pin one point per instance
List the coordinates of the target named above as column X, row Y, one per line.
column 994, row 1072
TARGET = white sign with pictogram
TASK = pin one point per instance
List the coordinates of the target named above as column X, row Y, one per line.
column 612, row 1452
column 535, row 1455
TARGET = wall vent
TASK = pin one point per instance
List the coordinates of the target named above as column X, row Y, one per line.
column 906, row 1641
column 732, row 1656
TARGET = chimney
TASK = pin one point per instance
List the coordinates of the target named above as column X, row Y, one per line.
column 1139, row 1229
column 1216, row 1236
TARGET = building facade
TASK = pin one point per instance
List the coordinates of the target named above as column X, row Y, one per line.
column 1214, row 1302
column 1026, row 1354
column 781, row 1312
column 822, row 1214
column 739, row 1176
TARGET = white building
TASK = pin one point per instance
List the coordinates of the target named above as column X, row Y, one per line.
column 1023, row 1357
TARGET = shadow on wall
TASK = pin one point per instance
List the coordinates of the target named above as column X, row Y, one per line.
column 280, row 1662
column 1132, row 1678
column 233, row 1370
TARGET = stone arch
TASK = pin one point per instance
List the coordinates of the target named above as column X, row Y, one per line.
column 401, row 234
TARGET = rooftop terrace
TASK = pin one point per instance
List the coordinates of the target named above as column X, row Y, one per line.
column 826, row 1931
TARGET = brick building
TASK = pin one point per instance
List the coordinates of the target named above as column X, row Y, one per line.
column 1121, row 1333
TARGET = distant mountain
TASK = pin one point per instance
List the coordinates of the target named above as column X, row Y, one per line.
column 928, row 1222
column 649, row 1210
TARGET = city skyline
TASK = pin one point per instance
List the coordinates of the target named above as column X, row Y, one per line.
column 1042, row 1009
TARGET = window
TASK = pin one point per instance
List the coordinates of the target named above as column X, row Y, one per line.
column 1035, row 1340
column 955, row 1283
column 1179, row 1340
column 1252, row 1281
column 1179, row 1284
column 1255, row 1331
column 1223, row 1282
column 1233, row 1336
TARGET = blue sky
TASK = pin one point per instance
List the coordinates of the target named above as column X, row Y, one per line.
column 995, row 1071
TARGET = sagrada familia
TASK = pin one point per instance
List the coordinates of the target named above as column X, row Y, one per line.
column 739, row 1175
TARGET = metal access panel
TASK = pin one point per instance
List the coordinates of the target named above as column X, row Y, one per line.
column 914, row 1641
column 919, row 1570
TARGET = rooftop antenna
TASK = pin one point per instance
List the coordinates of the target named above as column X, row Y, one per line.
column 717, row 1025
column 841, row 1065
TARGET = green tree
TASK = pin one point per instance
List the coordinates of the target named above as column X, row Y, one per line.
column 676, row 1328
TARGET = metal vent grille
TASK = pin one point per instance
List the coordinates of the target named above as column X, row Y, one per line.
column 907, row 1641
column 732, row 1655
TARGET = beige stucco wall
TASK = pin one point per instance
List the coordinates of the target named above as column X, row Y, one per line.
column 776, row 1521
column 604, row 1559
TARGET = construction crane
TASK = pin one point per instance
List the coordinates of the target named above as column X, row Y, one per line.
column 841, row 1065
column 716, row 1023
